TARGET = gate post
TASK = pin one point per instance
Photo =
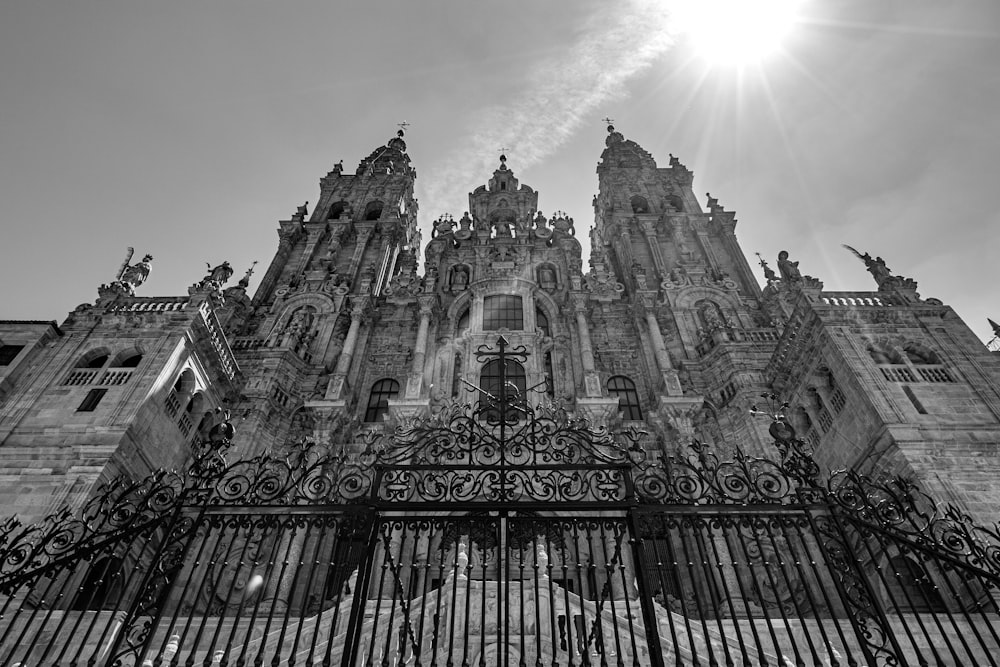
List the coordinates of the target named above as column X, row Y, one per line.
column 645, row 595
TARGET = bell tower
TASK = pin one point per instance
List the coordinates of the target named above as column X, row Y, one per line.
column 693, row 298
column 313, row 309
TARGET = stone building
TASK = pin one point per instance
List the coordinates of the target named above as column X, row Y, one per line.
column 667, row 329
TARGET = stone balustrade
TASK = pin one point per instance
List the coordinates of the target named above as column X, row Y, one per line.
column 854, row 299
column 158, row 304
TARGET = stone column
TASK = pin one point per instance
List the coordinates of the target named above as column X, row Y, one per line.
column 647, row 301
column 592, row 383
column 335, row 389
column 649, row 229
column 313, row 235
column 414, row 383
column 361, row 242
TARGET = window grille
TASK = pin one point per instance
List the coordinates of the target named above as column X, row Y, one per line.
column 628, row 397
column 503, row 312
column 378, row 400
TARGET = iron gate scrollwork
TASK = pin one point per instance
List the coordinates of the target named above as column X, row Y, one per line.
column 502, row 534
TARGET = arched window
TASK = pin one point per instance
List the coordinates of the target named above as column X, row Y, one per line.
column 131, row 361
column 542, row 322
column 463, row 323
column 920, row 355
column 373, row 211
column 515, row 381
column 378, row 399
column 336, row 210
column 503, row 311
column 676, row 203
column 93, row 362
column 628, row 397
column 884, row 354
column 639, row 204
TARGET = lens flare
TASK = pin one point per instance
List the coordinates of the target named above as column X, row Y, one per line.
column 734, row 32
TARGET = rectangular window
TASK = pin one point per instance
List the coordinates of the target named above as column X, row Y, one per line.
column 94, row 397
column 503, row 312
column 8, row 353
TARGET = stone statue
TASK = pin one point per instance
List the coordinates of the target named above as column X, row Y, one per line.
column 218, row 275
column 466, row 222
column 134, row 275
column 875, row 266
column 788, row 269
column 459, row 278
column 302, row 211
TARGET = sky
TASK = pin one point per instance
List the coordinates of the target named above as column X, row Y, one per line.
column 188, row 129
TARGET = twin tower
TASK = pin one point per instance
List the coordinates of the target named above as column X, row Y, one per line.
column 666, row 328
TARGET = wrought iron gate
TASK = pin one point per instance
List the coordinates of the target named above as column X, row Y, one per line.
column 502, row 536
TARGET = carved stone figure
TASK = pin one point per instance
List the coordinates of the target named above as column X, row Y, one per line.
column 459, row 278
column 465, row 223
column 136, row 274
column 219, row 275
column 788, row 269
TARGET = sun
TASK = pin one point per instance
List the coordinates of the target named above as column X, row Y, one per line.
column 734, row 32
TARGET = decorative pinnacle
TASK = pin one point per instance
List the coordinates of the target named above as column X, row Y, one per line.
column 610, row 122
column 402, row 128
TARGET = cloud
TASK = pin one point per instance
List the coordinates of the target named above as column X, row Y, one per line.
column 561, row 92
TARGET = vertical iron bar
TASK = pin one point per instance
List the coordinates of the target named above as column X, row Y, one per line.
column 745, row 595
column 582, row 640
column 805, row 556
column 648, row 608
column 956, row 597
column 385, row 531
column 877, row 603
column 883, row 550
column 671, row 548
column 747, row 521
column 238, row 522
column 332, row 525
column 198, row 523
column 609, row 571
column 774, row 524
column 727, row 594
column 272, row 559
column 877, row 612
column 704, row 525
column 697, row 597
column 362, row 585
column 755, row 523
column 625, row 538
column 317, row 522
column 564, row 529
column 394, row 582
column 74, row 630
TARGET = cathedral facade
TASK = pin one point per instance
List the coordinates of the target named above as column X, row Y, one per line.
column 666, row 332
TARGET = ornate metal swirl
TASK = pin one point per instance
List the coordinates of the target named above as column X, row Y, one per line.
column 120, row 509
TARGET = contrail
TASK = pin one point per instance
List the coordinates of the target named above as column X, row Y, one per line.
column 560, row 93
